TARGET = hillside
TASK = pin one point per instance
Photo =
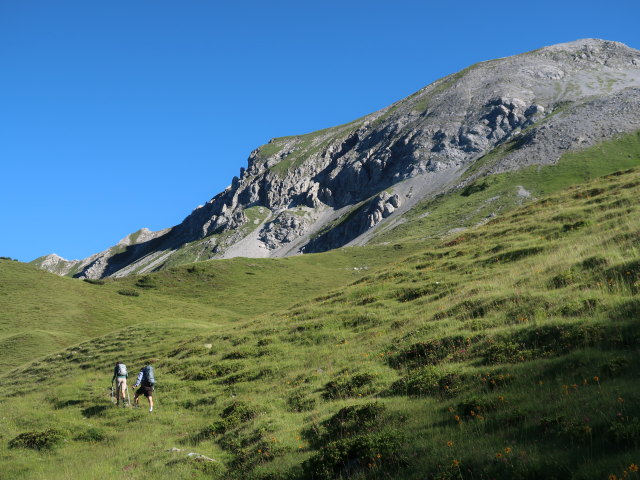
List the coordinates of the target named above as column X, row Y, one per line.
column 506, row 350
column 342, row 185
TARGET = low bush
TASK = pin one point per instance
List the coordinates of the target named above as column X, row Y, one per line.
column 146, row 282
column 38, row 440
column 625, row 431
column 430, row 352
column 236, row 414
column 209, row 372
column 347, row 385
column 300, row 401
column 349, row 457
column 353, row 420
column 92, row 435
column 127, row 292
column 428, row 381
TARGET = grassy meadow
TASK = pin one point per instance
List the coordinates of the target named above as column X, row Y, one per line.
column 505, row 351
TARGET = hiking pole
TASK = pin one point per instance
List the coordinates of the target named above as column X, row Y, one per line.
column 128, row 397
column 112, row 392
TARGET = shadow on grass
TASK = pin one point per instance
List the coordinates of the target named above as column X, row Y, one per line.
column 95, row 411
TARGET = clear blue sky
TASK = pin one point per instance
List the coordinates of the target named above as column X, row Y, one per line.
column 117, row 115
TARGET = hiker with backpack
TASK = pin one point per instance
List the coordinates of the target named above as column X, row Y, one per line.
column 146, row 380
column 120, row 375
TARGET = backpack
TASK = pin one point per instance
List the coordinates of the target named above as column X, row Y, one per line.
column 121, row 370
column 148, row 377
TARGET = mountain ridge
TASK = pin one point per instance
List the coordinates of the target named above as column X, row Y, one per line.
column 327, row 189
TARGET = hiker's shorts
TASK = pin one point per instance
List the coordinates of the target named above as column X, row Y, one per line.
column 146, row 391
column 121, row 384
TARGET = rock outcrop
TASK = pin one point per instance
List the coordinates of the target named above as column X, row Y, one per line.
column 326, row 189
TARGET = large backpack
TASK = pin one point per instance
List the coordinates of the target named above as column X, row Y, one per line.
column 121, row 370
column 148, row 377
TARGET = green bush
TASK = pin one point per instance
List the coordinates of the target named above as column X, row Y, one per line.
column 233, row 415
column 353, row 420
column 92, row 435
column 209, row 372
column 625, row 431
column 347, row 385
column 346, row 458
column 473, row 407
column 127, row 292
column 146, row 282
column 474, row 188
column 428, row 381
column 430, row 352
column 300, row 401
column 616, row 366
column 38, row 440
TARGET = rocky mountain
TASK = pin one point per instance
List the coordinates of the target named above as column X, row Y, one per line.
column 336, row 187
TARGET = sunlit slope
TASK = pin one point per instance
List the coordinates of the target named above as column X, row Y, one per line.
column 41, row 313
column 510, row 350
column 486, row 197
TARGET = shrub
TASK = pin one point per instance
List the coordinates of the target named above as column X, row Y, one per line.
column 430, row 352
column 209, row 372
column 474, row 188
column 353, row 420
column 300, row 401
column 127, row 292
column 349, row 386
column 347, row 457
column 199, row 402
column 409, row 294
column 474, row 407
column 146, row 282
column 94, row 281
column 626, row 310
column 92, row 435
column 579, row 307
column 428, row 381
column 593, row 263
column 627, row 274
column 616, row 366
column 562, row 280
column 236, row 414
column 515, row 255
column 625, row 432
column 38, row 440
column 506, row 351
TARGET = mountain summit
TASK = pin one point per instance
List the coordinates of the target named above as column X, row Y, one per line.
column 339, row 186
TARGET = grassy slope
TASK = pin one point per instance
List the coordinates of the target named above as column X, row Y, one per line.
column 499, row 193
column 508, row 351
column 42, row 313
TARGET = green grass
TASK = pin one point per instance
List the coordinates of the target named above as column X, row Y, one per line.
column 506, row 351
column 499, row 193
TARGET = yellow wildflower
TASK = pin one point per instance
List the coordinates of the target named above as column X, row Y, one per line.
column 449, row 443
column 455, row 463
column 633, row 467
column 507, row 450
column 498, row 455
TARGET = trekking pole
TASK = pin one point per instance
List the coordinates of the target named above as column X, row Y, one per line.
column 128, row 397
column 112, row 392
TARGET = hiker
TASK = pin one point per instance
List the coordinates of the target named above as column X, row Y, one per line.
column 120, row 375
column 146, row 380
